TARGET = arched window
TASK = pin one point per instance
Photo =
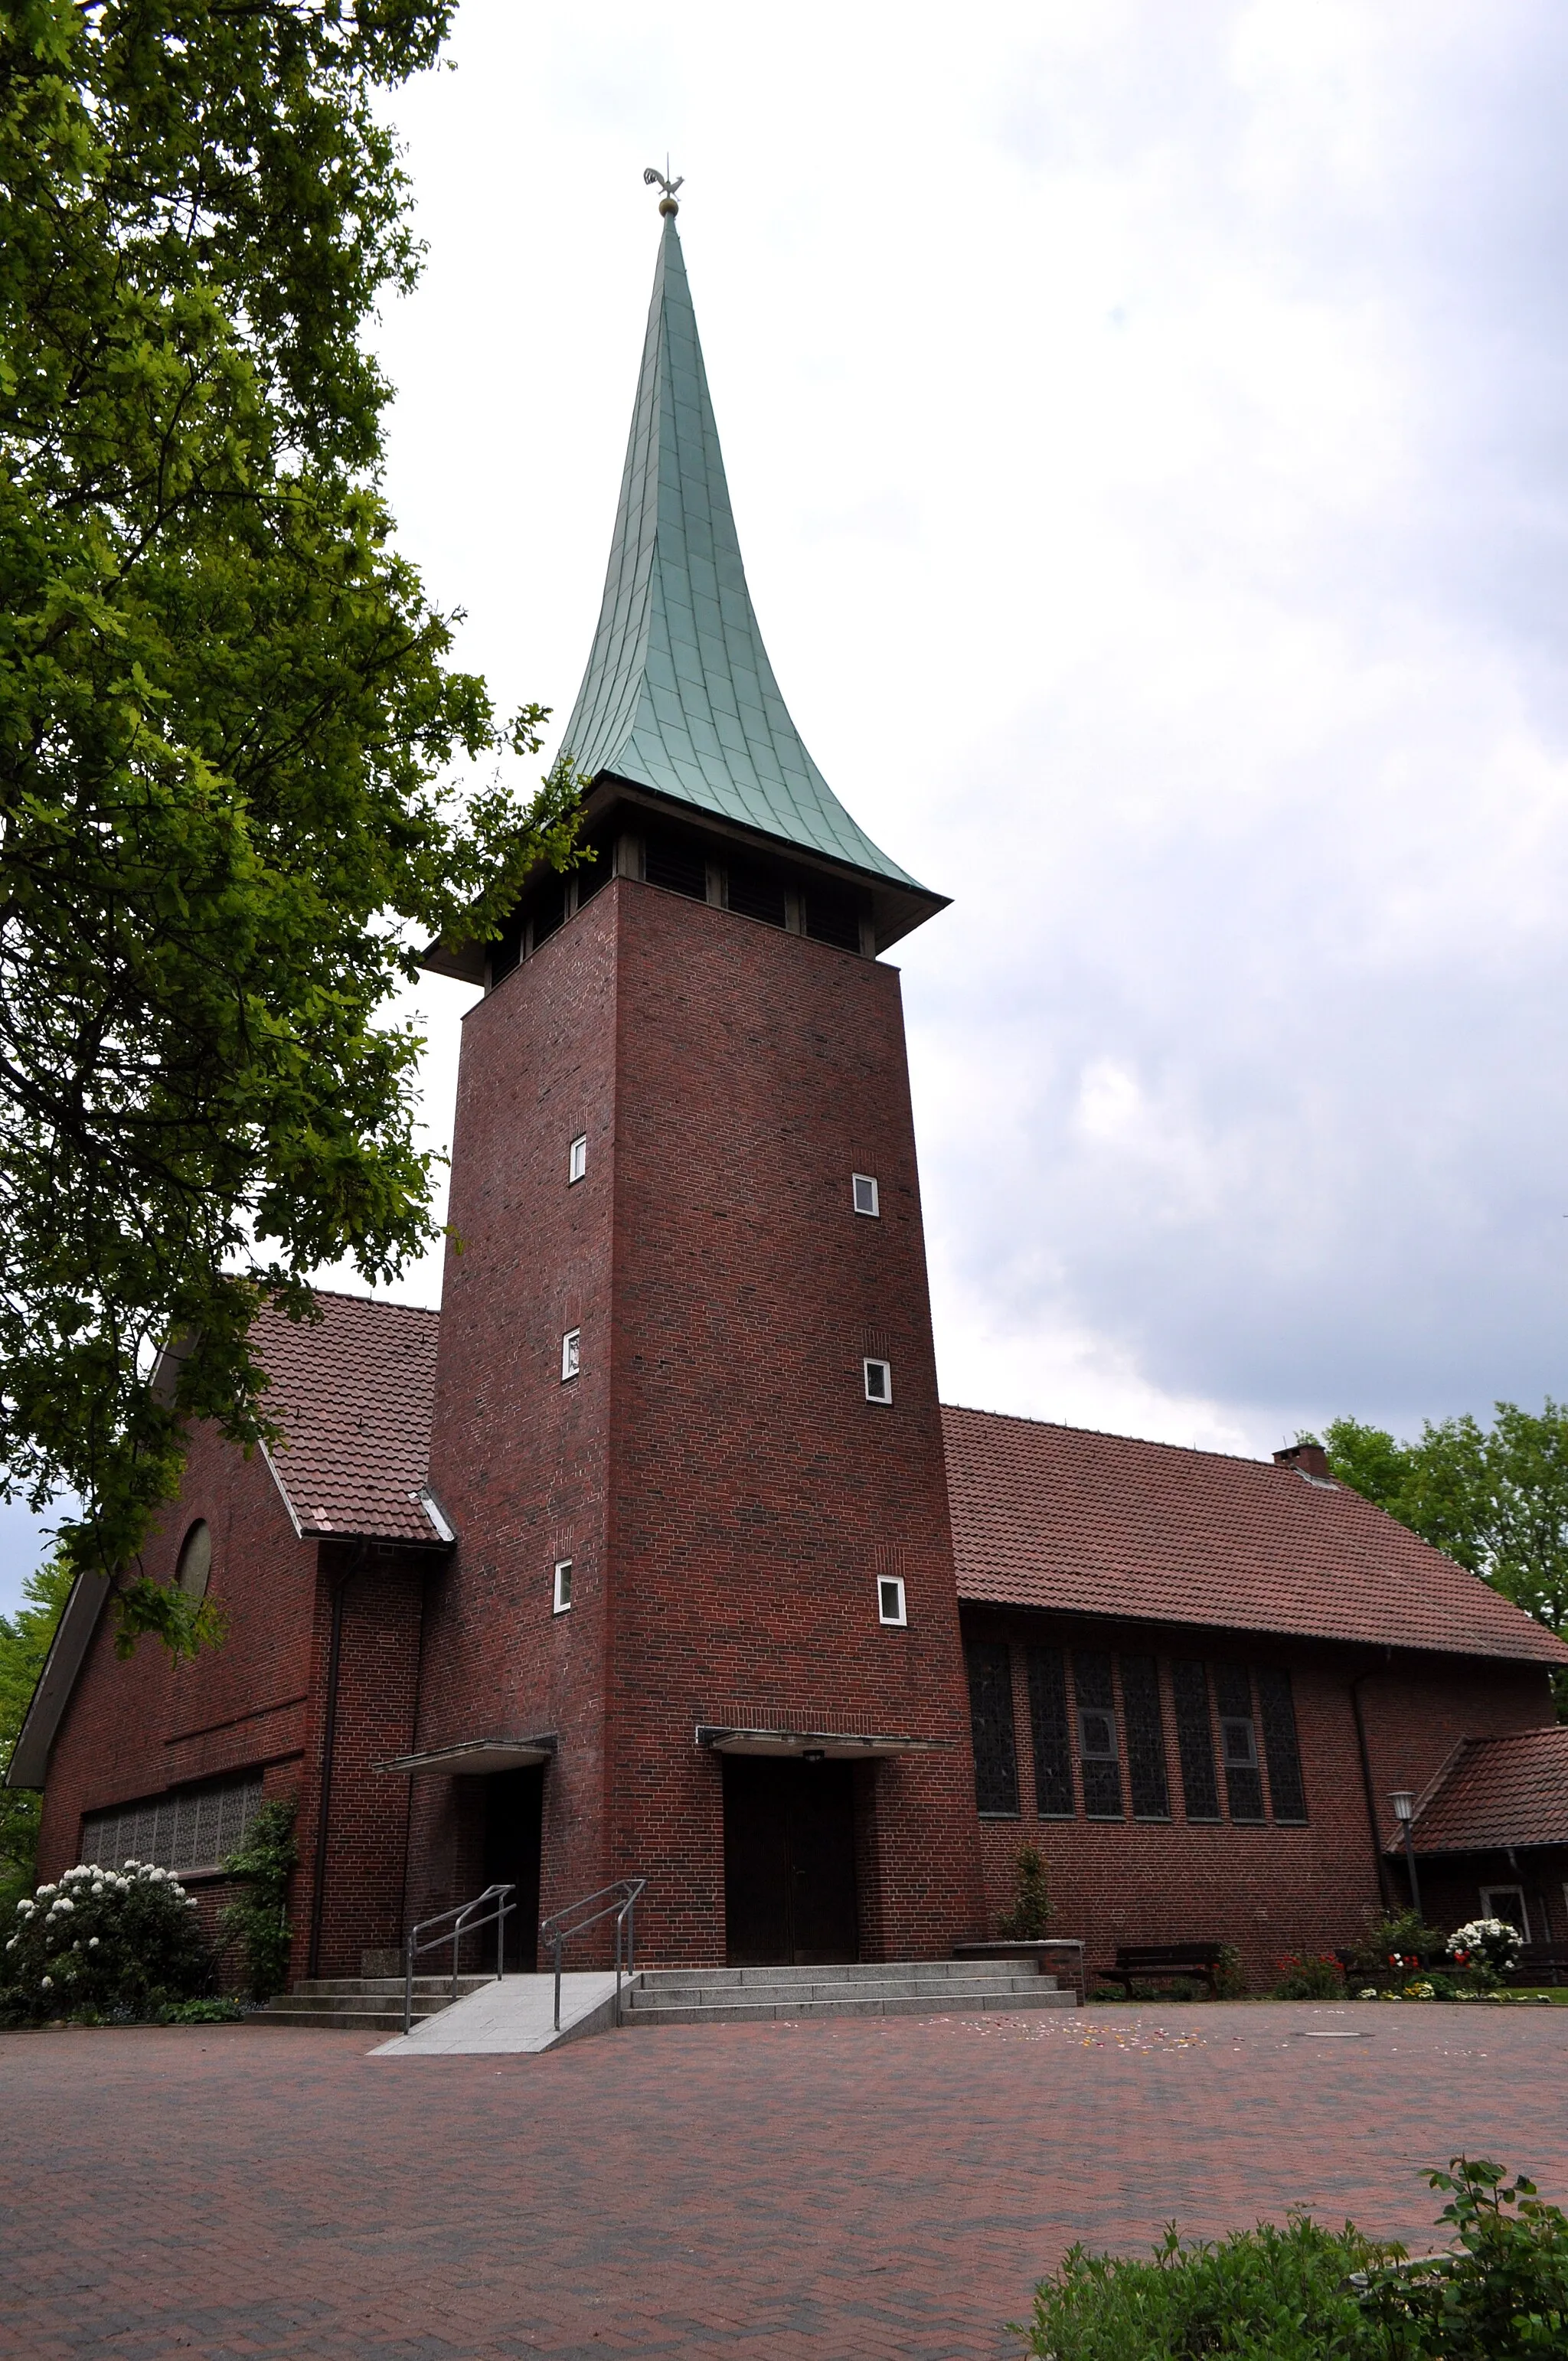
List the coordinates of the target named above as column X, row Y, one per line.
column 195, row 1565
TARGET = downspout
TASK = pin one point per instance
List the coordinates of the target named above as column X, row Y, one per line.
column 324, row 1806
column 1374, row 1825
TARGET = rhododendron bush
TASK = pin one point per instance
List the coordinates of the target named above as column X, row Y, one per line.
column 104, row 1942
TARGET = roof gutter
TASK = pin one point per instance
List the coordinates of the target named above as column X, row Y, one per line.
column 1374, row 1824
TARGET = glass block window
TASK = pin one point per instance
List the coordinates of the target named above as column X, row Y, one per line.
column 1146, row 1739
column 1238, row 1742
column 1195, row 1741
column 1099, row 1761
column 989, row 1665
column 1052, row 1734
column 183, row 1832
column 1277, row 1714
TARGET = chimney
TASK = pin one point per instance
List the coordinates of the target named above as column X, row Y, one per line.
column 1307, row 1458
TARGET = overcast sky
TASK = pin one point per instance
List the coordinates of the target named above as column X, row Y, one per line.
column 1148, row 435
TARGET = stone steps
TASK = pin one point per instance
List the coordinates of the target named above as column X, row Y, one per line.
column 883, row 1988
column 363, row 2004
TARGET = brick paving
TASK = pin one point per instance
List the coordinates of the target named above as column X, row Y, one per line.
column 880, row 2189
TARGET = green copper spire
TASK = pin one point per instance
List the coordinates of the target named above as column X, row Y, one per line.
column 679, row 695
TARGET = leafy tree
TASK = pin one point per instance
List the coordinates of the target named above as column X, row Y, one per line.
column 228, row 728
column 24, row 1644
column 259, row 1919
column 1494, row 1497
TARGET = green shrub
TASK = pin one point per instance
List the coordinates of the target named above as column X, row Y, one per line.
column 105, row 1943
column 1030, row 1917
column 1305, row 1975
column 1306, row 2293
column 1230, row 1983
column 1261, row 2295
column 1401, row 1939
column 215, row 2010
column 258, row 1919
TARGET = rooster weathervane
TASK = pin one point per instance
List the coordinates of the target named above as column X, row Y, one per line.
column 653, row 179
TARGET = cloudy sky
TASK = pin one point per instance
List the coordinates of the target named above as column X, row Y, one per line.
column 1148, row 438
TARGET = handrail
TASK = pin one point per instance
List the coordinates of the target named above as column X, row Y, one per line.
column 453, row 1934
column 557, row 1933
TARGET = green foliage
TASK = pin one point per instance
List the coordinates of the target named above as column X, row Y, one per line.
column 259, row 1919
column 102, row 1942
column 1503, row 2295
column 1230, row 1983
column 212, row 2011
column 1268, row 2294
column 1401, row 1939
column 229, row 734
column 24, row 1644
column 1494, row 1497
column 1030, row 1917
column 1305, row 2293
column 1310, row 1976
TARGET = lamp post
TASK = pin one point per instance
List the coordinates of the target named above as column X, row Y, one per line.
column 1403, row 1804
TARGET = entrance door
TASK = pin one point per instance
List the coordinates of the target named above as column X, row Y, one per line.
column 789, row 1863
column 514, row 1803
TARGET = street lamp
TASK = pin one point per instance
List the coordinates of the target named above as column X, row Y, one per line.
column 1403, row 1804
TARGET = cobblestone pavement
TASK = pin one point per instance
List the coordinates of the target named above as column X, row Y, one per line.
column 884, row 2189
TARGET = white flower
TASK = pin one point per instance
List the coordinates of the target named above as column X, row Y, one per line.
column 49, row 1889
column 92, row 1942
column 13, row 1943
column 48, row 1984
column 133, row 1864
column 64, row 1903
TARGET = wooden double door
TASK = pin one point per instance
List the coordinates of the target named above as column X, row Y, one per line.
column 789, row 1863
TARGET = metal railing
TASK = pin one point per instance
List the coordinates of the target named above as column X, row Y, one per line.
column 465, row 1923
column 559, row 1930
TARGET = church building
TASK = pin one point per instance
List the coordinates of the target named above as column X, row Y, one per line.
column 654, row 1553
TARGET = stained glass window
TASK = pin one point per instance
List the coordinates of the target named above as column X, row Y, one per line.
column 990, row 1667
column 1146, row 1739
column 1195, row 1741
column 1098, row 1755
column 1278, row 1716
column 1238, row 1742
column 1052, row 1734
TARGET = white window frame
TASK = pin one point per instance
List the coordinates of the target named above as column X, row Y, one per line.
column 866, row 1180
column 562, row 1594
column 1489, row 1907
column 571, row 1355
column 1229, row 1761
column 1107, row 1714
column 890, row 1593
column 577, row 1159
column 875, row 1361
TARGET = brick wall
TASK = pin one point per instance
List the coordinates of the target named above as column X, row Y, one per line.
column 725, row 1492
column 1269, row 1889
column 135, row 1729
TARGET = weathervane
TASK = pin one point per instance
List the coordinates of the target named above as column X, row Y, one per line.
column 653, row 179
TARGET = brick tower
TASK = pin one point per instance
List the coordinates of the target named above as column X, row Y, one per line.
column 701, row 1624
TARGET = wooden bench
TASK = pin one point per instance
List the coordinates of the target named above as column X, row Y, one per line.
column 1155, row 1962
column 1540, row 1964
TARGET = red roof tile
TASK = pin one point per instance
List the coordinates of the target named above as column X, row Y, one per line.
column 1498, row 1791
column 1058, row 1517
column 352, row 1396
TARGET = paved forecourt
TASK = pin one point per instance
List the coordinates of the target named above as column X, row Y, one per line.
column 868, row 2190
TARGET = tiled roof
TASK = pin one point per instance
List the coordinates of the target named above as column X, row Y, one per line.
column 352, row 1396
column 1081, row 1523
column 1498, row 1791
column 679, row 695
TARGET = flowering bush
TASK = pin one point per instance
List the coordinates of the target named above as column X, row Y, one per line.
column 1486, row 1947
column 104, row 1942
column 1308, row 1976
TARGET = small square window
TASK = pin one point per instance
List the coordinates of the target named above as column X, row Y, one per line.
column 571, row 1353
column 890, row 1599
column 1096, row 1734
column 577, row 1159
column 1238, row 1744
column 1507, row 1902
column 867, row 1200
column 879, row 1381
column 563, row 1585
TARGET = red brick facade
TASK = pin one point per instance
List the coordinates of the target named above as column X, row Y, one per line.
column 729, row 1496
